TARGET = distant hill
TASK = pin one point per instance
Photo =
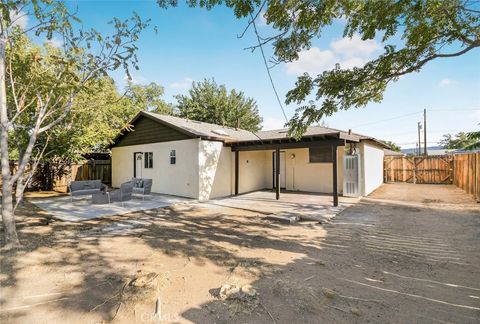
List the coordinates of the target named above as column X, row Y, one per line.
column 434, row 150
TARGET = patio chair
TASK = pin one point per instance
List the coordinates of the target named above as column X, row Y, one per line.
column 142, row 186
column 123, row 194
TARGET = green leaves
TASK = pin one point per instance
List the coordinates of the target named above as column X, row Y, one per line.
column 148, row 97
column 414, row 32
column 212, row 103
column 392, row 146
column 461, row 140
column 474, row 139
column 59, row 101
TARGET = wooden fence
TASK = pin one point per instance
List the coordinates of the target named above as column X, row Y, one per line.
column 90, row 170
column 462, row 170
column 466, row 168
column 51, row 176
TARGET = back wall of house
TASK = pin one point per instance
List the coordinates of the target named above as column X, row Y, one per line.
column 179, row 179
column 305, row 176
column 252, row 171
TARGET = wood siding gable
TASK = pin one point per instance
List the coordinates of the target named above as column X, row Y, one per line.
column 146, row 131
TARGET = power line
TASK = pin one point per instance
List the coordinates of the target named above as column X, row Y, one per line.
column 388, row 119
column 266, row 66
column 477, row 109
column 412, row 114
column 407, row 143
column 434, row 131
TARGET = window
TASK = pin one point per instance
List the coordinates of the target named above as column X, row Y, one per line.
column 173, row 157
column 320, row 155
column 148, row 160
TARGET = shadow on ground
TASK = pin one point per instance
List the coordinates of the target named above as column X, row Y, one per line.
column 377, row 261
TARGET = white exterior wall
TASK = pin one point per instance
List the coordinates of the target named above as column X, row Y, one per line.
column 179, row 179
column 371, row 167
column 217, row 171
column 252, row 167
column 206, row 169
column 215, row 175
column 302, row 175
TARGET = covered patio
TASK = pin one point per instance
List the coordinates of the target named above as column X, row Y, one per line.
column 331, row 144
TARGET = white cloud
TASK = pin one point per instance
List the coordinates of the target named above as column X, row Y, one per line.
column 273, row 123
column 135, row 79
column 55, row 42
column 446, row 82
column 185, row 83
column 19, row 18
column 354, row 47
column 348, row 52
column 314, row 61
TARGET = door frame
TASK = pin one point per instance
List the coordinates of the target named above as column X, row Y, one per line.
column 135, row 163
column 284, row 171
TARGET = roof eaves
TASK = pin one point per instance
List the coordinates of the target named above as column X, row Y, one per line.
column 376, row 141
column 348, row 137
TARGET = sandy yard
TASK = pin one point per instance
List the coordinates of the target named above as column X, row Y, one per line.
column 406, row 254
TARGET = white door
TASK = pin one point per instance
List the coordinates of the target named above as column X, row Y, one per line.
column 138, row 162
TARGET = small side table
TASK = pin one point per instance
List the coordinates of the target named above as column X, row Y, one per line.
column 101, row 198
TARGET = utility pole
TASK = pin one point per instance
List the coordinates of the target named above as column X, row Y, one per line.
column 425, row 131
column 419, row 125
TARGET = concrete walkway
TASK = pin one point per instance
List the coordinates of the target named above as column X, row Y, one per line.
column 82, row 208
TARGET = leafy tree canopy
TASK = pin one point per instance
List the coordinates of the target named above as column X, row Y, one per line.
column 38, row 91
column 392, row 146
column 428, row 29
column 98, row 112
column 149, row 97
column 474, row 137
column 212, row 103
column 461, row 140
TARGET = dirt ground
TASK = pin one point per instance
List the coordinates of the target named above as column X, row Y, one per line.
column 405, row 254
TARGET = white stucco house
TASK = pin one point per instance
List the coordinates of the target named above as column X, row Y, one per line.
column 204, row 161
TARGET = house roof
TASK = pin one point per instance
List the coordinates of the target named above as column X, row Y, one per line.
column 201, row 129
column 231, row 135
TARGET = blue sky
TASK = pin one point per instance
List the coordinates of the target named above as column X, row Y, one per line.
column 193, row 44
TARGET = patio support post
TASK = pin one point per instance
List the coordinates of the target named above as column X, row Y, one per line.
column 277, row 173
column 335, row 186
column 236, row 172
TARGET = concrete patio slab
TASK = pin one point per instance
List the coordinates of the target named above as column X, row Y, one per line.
column 82, row 208
column 308, row 206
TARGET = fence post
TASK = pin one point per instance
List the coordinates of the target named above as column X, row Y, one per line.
column 477, row 168
column 414, row 170
column 475, row 175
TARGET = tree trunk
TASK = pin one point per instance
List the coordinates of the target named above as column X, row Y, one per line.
column 11, row 238
column 21, row 184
